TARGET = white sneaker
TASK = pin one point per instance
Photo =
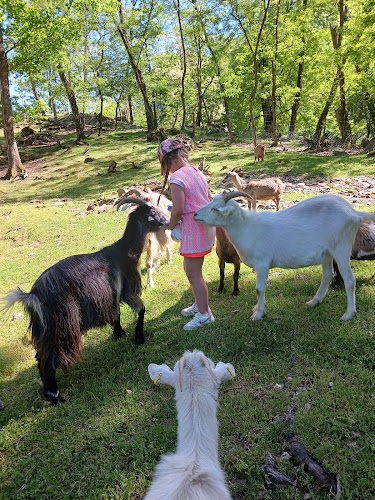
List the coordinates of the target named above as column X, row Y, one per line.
column 190, row 311
column 199, row 320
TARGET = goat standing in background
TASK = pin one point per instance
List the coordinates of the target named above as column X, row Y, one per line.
column 193, row 472
column 315, row 231
column 227, row 254
column 363, row 248
column 85, row 291
column 158, row 241
column 258, row 189
column 259, row 152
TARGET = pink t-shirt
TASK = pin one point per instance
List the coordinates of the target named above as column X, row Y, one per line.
column 196, row 238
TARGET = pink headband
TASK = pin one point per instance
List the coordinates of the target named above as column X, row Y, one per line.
column 167, row 146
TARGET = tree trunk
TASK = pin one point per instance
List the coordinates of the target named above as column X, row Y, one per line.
column 297, row 99
column 36, row 94
column 152, row 123
column 370, row 119
column 267, row 116
column 131, row 116
column 342, row 114
column 54, row 111
column 15, row 167
column 116, row 114
column 73, row 105
column 183, row 122
column 254, row 52
column 323, row 116
column 101, row 114
column 274, row 77
column 198, row 119
column 218, row 72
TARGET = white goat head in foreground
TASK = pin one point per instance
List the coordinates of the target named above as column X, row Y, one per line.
column 193, row 472
column 314, row 231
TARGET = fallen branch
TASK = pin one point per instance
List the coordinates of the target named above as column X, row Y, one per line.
column 314, row 468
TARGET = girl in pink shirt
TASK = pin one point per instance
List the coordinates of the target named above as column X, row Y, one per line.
column 189, row 193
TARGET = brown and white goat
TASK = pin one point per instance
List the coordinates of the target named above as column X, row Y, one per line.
column 259, row 189
column 363, row 248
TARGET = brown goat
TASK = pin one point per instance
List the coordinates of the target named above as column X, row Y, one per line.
column 259, row 152
column 260, row 189
column 363, row 248
column 227, row 254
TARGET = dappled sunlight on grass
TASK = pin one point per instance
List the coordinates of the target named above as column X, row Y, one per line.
column 297, row 363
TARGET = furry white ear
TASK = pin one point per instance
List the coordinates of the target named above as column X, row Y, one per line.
column 162, row 374
column 225, row 210
column 224, row 371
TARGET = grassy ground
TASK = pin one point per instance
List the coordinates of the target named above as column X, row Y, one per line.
column 299, row 371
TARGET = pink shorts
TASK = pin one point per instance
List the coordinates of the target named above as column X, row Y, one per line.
column 195, row 255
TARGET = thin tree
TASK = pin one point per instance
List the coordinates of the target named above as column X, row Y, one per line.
column 177, row 7
column 218, row 71
column 342, row 113
column 297, row 98
column 274, row 76
column 73, row 105
column 15, row 167
column 254, row 53
column 151, row 119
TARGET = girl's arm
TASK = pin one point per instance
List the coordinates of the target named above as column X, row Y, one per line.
column 178, row 200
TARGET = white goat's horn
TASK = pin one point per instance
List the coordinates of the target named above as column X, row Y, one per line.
column 206, row 364
column 181, row 366
column 137, row 201
column 234, row 194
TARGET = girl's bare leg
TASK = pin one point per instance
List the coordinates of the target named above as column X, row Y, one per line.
column 193, row 270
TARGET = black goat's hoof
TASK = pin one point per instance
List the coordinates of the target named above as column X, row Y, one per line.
column 119, row 333
column 54, row 398
column 235, row 294
column 139, row 341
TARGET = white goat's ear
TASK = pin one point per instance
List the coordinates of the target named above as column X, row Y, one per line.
column 224, row 371
column 162, row 374
column 227, row 210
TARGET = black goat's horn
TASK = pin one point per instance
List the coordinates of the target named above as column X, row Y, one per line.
column 137, row 201
column 234, row 194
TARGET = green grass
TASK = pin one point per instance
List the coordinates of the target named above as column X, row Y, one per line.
column 105, row 441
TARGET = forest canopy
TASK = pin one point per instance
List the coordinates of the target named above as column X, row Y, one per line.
column 260, row 67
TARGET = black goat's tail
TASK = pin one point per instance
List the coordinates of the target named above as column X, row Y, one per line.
column 28, row 300
column 52, row 348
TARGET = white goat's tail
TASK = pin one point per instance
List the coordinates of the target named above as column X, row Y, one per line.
column 29, row 300
column 178, row 478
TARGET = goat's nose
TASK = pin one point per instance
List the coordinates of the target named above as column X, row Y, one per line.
column 195, row 214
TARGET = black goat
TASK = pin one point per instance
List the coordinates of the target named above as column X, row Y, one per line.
column 85, row 291
column 227, row 254
column 363, row 248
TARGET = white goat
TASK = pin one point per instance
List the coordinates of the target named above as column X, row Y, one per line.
column 315, row 231
column 193, row 472
column 159, row 241
column 271, row 188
